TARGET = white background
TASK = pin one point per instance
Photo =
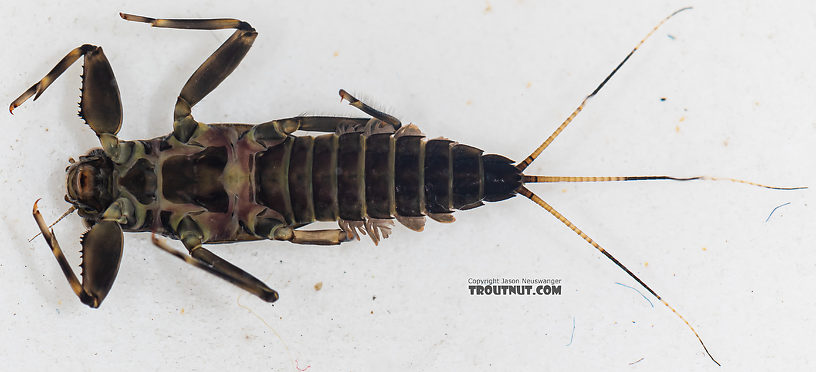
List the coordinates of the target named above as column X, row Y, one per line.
column 738, row 78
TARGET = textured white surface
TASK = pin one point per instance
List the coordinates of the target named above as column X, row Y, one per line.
column 738, row 79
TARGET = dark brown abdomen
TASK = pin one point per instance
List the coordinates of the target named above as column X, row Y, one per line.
column 354, row 177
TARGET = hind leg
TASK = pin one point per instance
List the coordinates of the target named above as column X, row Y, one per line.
column 200, row 257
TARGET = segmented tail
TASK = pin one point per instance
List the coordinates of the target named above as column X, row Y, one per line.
column 543, row 179
column 529, row 194
column 540, row 179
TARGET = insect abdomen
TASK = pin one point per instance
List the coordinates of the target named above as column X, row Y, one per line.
column 354, row 177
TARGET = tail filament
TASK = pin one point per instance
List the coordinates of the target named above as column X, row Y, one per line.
column 547, row 179
column 529, row 194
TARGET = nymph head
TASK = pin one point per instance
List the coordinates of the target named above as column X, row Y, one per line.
column 90, row 184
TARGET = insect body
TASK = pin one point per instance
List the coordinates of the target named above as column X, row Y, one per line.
column 219, row 183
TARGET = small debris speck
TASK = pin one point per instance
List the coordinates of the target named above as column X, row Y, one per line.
column 318, row 286
column 662, row 99
column 572, row 335
column 636, row 361
column 299, row 369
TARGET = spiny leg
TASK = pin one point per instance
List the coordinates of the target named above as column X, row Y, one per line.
column 529, row 194
column 100, row 105
column 101, row 254
column 202, row 258
column 526, row 162
column 38, row 88
column 212, row 72
column 47, row 233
